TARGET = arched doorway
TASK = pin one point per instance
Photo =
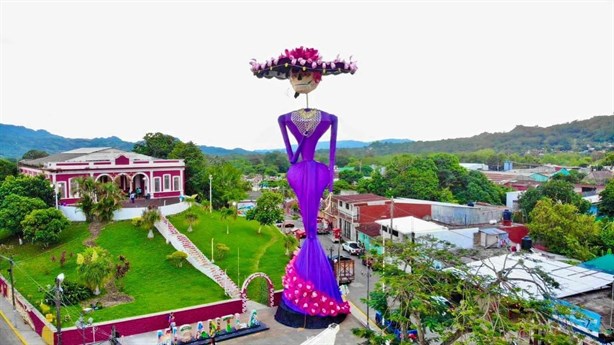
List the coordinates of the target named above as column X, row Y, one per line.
column 123, row 182
column 104, row 178
column 140, row 182
column 271, row 290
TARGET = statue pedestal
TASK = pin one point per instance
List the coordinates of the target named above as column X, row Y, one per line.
column 291, row 318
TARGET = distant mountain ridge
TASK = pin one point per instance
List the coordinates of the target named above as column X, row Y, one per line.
column 17, row 140
column 594, row 133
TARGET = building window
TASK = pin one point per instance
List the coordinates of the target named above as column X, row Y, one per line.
column 167, row 182
column 156, row 184
column 176, row 183
column 347, row 206
column 74, row 188
column 61, row 190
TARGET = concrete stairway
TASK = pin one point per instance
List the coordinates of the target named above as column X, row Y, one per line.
column 196, row 257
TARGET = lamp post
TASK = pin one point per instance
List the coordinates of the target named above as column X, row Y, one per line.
column 58, row 303
column 55, row 193
column 368, row 287
column 236, row 210
column 83, row 325
column 210, row 199
column 212, row 260
column 10, row 270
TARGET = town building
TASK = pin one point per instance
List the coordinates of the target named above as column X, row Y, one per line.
column 155, row 178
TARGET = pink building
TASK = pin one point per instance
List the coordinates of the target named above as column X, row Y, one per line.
column 155, row 178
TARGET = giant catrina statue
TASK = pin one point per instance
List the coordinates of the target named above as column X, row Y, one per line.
column 311, row 297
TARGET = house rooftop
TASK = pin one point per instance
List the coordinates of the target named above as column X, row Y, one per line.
column 88, row 154
column 356, row 198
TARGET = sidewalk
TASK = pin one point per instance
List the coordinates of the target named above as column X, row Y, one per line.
column 18, row 327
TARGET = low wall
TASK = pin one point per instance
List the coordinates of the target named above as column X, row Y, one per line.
column 151, row 322
column 28, row 312
column 125, row 327
column 76, row 215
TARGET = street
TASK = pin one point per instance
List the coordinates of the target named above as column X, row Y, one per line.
column 358, row 288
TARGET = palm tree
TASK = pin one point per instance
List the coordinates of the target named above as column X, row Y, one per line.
column 149, row 218
column 226, row 212
column 190, row 215
column 109, row 200
column 98, row 200
column 95, row 267
column 87, row 200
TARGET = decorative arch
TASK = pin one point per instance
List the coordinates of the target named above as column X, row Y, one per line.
column 249, row 280
column 123, row 181
column 104, row 177
column 140, row 180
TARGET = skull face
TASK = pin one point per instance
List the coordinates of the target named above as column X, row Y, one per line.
column 303, row 82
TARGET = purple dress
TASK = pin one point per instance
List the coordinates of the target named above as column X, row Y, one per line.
column 310, row 286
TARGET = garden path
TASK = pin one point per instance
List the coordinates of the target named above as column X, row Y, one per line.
column 196, row 257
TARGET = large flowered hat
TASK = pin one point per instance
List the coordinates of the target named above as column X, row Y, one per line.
column 303, row 67
column 301, row 59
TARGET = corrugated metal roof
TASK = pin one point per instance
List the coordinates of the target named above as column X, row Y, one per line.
column 572, row 280
column 88, row 154
column 359, row 198
column 493, row 231
column 406, row 225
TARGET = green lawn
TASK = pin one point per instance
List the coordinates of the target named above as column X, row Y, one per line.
column 154, row 283
column 249, row 252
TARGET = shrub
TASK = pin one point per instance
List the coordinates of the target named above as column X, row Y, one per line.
column 72, row 293
column 221, row 250
column 177, row 258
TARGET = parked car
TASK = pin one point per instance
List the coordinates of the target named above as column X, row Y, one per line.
column 352, row 247
column 299, row 233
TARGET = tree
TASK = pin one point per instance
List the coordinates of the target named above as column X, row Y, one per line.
column 458, row 304
column 7, row 168
column 268, row 209
column 95, row 267
column 14, row 209
column 156, row 145
column 32, row 187
column 98, row 201
column 290, row 243
column 556, row 190
column 177, row 258
column 34, row 154
column 350, row 176
column 564, row 231
column 195, row 161
column 190, row 215
column 148, row 219
column 44, row 226
column 227, row 184
column 606, row 205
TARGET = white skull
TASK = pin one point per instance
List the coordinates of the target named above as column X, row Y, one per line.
column 303, row 82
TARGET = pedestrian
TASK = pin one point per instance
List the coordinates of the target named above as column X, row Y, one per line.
column 171, row 320
column 138, row 192
column 132, row 197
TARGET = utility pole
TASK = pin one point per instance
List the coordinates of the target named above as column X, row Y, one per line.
column 210, row 199
column 368, row 286
column 391, row 217
column 12, row 263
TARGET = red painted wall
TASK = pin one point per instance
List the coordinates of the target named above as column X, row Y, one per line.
column 155, row 322
column 369, row 214
column 516, row 232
